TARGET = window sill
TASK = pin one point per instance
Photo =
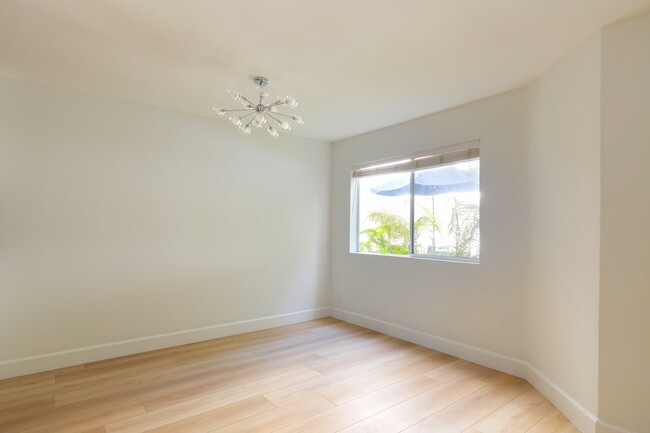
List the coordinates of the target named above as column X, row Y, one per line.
column 464, row 260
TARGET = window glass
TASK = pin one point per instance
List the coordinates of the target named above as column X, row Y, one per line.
column 446, row 212
column 384, row 220
column 439, row 217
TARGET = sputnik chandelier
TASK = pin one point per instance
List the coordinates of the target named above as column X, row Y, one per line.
column 260, row 114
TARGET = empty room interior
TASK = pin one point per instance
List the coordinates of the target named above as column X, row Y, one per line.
column 325, row 216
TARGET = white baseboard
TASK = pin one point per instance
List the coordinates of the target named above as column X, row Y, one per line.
column 460, row 350
column 67, row 358
column 578, row 414
column 581, row 417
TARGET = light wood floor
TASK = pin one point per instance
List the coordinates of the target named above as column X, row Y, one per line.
column 318, row 376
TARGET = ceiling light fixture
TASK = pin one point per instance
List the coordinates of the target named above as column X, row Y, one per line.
column 260, row 115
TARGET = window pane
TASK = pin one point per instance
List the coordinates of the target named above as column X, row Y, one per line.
column 446, row 218
column 383, row 212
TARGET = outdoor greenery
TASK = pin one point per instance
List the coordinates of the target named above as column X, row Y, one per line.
column 464, row 225
column 390, row 235
column 426, row 225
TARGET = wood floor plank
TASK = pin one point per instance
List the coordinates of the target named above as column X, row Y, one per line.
column 162, row 413
column 37, row 379
column 459, row 368
column 95, row 430
column 322, row 376
column 88, row 375
column 141, row 387
column 381, row 353
column 329, row 343
column 517, row 416
column 210, row 420
column 471, row 409
column 280, row 417
column 90, row 421
column 414, row 410
column 339, row 377
column 373, row 382
column 26, row 402
column 352, row 412
column 264, row 366
column 26, row 410
column 267, row 349
column 555, row 422
column 358, row 341
column 16, row 385
column 177, row 395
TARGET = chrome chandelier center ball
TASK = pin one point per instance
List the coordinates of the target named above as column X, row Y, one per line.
column 260, row 114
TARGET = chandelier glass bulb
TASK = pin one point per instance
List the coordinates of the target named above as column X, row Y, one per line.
column 235, row 121
column 291, row 101
column 260, row 118
column 259, row 112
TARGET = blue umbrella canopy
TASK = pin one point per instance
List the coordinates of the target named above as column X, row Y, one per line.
column 439, row 180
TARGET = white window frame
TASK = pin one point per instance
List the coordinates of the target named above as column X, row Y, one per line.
column 409, row 163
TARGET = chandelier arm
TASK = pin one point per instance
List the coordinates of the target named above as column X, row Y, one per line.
column 243, row 109
column 285, row 115
column 252, row 113
column 267, row 113
column 246, row 99
column 276, row 104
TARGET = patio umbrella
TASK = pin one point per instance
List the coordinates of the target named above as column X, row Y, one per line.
column 439, row 180
column 434, row 181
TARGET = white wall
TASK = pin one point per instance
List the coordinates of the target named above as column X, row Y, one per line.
column 563, row 171
column 625, row 257
column 120, row 221
column 474, row 304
